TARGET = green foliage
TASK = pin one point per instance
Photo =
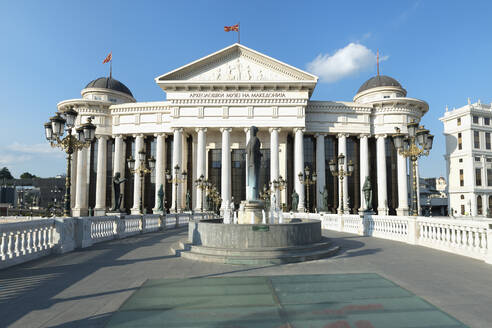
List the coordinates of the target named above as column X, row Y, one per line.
column 5, row 174
column 27, row 175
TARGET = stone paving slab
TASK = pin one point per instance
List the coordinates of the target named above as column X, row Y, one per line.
column 86, row 287
column 340, row 300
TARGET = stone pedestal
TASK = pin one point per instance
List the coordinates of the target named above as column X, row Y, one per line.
column 251, row 206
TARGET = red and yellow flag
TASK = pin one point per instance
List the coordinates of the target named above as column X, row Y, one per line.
column 231, row 28
column 108, row 58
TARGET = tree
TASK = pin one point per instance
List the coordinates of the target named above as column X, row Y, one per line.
column 5, row 174
column 27, row 175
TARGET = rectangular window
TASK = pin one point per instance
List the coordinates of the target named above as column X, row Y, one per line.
column 477, row 159
column 458, row 121
column 475, row 119
column 486, row 120
column 489, row 159
column 489, row 177
column 478, row 177
column 460, row 142
column 476, row 139
column 462, row 178
column 460, row 160
column 462, row 209
column 487, row 140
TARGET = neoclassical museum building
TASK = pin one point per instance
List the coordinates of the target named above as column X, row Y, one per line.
column 203, row 127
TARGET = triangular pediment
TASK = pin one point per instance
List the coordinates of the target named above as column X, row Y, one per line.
column 236, row 64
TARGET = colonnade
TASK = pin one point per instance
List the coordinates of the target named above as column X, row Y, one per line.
column 81, row 159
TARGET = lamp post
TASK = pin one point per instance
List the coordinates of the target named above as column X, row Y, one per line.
column 203, row 184
column 278, row 185
column 176, row 180
column 265, row 193
column 307, row 179
column 341, row 173
column 54, row 131
column 417, row 143
column 141, row 170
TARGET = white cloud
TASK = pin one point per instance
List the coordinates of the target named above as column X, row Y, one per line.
column 346, row 61
column 11, row 159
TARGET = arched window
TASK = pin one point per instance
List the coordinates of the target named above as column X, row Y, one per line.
column 479, row 205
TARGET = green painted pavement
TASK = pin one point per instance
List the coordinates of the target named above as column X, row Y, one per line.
column 328, row 301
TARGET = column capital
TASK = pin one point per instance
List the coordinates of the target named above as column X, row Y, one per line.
column 102, row 136
column 342, row 135
column 299, row 129
column 246, row 130
column 138, row 135
column 363, row 135
column 201, row 129
column 319, row 134
column 225, row 130
column 274, row 129
column 381, row 135
column 162, row 134
column 177, row 129
column 118, row 136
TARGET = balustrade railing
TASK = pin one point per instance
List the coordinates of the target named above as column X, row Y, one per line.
column 27, row 240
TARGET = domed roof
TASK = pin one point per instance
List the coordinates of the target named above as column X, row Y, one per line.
column 379, row 81
column 109, row 83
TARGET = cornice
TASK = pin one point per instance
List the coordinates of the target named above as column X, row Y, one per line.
column 245, row 101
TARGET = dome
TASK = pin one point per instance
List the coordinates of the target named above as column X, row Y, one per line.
column 379, row 81
column 109, row 83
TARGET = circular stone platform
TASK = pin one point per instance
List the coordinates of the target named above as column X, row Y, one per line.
column 295, row 241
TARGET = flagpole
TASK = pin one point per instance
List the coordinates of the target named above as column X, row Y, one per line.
column 238, row 32
column 111, row 68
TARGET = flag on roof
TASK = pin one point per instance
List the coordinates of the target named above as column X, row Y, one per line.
column 231, row 28
column 108, row 58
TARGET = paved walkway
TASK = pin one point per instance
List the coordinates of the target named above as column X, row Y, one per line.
column 84, row 288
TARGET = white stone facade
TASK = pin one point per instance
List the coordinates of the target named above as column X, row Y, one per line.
column 468, row 132
column 210, row 105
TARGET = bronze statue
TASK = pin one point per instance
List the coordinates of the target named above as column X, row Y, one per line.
column 116, row 186
column 367, row 189
column 160, row 199
column 188, row 201
column 253, row 164
column 324, row 194
column 295, row 201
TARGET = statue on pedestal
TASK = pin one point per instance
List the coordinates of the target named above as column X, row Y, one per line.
column 295, row 201
column 324, row 196
column 367, row 189
column 160, row 199
column 253, row 164
column 116, row 188
column 188, row 201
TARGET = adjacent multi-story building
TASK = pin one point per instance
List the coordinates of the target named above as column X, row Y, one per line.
column 468, row 132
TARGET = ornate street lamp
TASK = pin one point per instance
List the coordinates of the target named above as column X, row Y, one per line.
column 176, row 180
column 341, row 173
column 54, row 130
column 141, row 170
column 278, row 185
column 307, row 179
column 418, row 142
column 203, row 184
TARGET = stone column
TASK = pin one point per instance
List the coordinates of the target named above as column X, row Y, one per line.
column 177, row 160
column 137, row 182
column 381, row 169
column 320, row 169
column 81, row 199
column 226, row 166
column 364, row 169
column 119, row 164
column 274, row 163
column 200, row 163
column 160, row 164
column 402, row 185
column 342, row 149
column 299, row 165
column 100, row 208
column 246, row 131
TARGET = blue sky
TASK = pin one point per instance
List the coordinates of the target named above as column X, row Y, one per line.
column 438, row 50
